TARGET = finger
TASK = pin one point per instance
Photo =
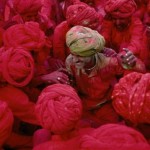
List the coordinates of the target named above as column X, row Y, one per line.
column 129, row 58
column 132, row 62
column 63, row 70
column 126, row 50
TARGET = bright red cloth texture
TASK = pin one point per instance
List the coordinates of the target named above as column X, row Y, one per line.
column 70, row 141
column 114, row 136
column 19, row 104
column 6, row 122
column 82, row 14
column 17, row 66
column 28, row 36
column 22, row 7
column 131, row 97
column 58, row 108
column 120, row 8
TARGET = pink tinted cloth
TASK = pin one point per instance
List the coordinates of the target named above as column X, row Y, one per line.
column 60, row 49
column 6, row 122
column 58, row 108
column 131, row 97
column 130, row 38
column 120, row 8
column 28, row 36
column 22, row 7
column 82, row 14
column 70, row 141
column 114, row 136
column 17, row 66
column 1, row 36
column 19, row 104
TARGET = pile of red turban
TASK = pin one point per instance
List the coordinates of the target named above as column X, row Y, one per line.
column 58, row 108
column 114, row 136
column 120, row 8
column 17, row 66
column 6, row 122
column 82, row 14
column 131, row 97
column 24, row 6
column 28, row 36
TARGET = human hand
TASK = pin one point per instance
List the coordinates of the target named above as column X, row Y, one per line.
column 56, row 77
column 128, row 60
column 108, row 52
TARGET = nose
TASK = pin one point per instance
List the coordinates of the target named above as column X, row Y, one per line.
column 117, row 21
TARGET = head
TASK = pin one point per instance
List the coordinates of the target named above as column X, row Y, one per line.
column 83, row 62
column 121, row 23
column 84, row 15
column 121, row 12
column 84, row 43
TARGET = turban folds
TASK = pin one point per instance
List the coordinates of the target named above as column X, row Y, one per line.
column 6, row 122
column 25, row 6
column 120, row 8
column 58, row 108
column 84, row 41
column 131, row 97
column 28, row 36
column 114, row 136
column 17, row 66
column 82, row 14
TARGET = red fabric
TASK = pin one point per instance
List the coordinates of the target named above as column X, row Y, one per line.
column 19, row 104
column 27, row 35
column 82, row 14
column 21, row 6
column 17, row 66
column 120, row 8
column 1, row 36
column 130, row 38
column 6, row 122
column 60, row 49
column 113, row 136
column 70, row 141
column 58, row 108
column 131, row 97
column 41, row 136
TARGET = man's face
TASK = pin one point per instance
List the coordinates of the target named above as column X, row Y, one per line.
column 82, row 62
column 121, row 23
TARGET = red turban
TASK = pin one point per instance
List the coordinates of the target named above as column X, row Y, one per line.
column 17, row 66
column 6, row 122
column 120, row 8
column 1, row 36
column 25, row 6
column 82, row 14
column 131, row 97
column 114, row 136
column 28, row 36
column 58, row 108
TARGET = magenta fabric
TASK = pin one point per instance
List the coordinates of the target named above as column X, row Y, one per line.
column 22, row 7
column 6, row 122
column 131, row 97
column 58, row 108
column 82, row 14
column 120, row 8
column 60, row 49
column 28, row 36
column 114, row 136
column 19, row 104
column 17, row 66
